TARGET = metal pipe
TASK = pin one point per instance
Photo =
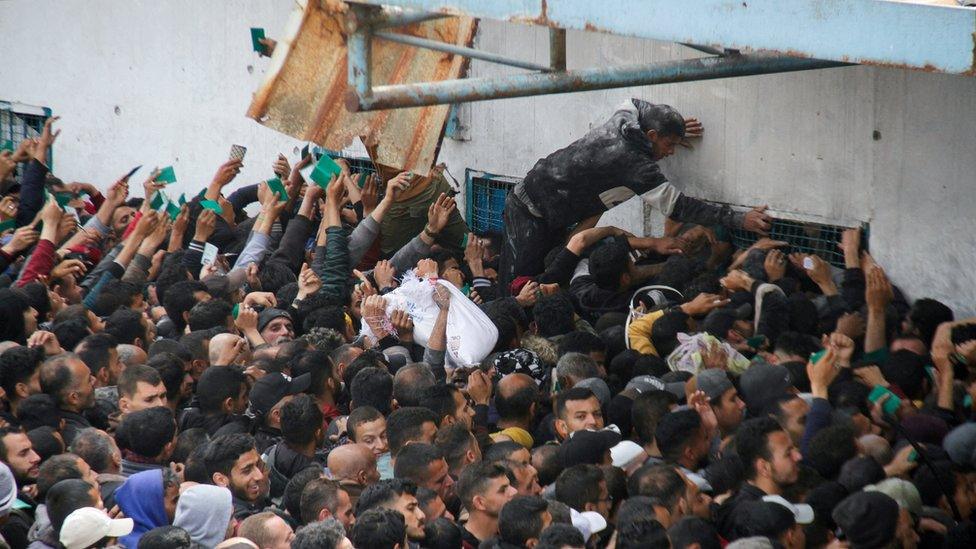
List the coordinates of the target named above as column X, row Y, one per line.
column 360, row 54
column 458, row 50
column 557, row 49
column 397, row 17
column 521, row 85
column 704, row 49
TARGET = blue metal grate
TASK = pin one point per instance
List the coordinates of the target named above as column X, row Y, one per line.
column 16, row 126
column 485, row 201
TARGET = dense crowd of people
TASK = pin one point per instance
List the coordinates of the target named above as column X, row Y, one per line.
column 289, row 392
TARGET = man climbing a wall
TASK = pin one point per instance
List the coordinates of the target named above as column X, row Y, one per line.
column 611, row 163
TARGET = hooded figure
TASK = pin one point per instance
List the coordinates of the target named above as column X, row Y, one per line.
column 610, row 164
column 141, row 499
column 205, row 511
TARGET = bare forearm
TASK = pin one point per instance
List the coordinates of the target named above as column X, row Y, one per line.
column 874, row 331
column 438, row 335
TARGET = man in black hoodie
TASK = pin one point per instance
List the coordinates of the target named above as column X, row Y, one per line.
column 610, row 164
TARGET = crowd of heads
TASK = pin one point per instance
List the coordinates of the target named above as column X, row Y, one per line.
column 275, row 396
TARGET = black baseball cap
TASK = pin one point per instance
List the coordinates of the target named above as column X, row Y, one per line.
column 269, row 389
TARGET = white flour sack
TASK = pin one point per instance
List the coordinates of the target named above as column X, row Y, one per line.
column 470, row 333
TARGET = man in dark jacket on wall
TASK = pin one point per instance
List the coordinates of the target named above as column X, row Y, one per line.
column 610, row 164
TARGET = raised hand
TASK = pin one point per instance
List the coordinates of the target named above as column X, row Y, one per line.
column 427, row 268
column 403, row 325
column 227, row 172
column 308, row 281
column 439, row 213
column 758, row 221
column 878, row 292
column 68, row 267
column 281, row 167
column 384, row 274
column 24, row 237
column 737, row 281
column 703, row 304
column 775, row 265
column 528, row 295
column 206, row 222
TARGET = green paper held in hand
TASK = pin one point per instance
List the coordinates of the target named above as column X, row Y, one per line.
column 158, row 201
column 212, row 205
column 275, row 185
column 173, row 210
column 166, row 175
column 8, row 145
column 324, row 170
column 257, row 34
column 7, row 225
column 63, row 199
column 183, row 198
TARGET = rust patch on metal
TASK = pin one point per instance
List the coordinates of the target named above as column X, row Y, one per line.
column 306, row 91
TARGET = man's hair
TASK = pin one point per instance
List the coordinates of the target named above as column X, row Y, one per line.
column 320, row 493
column 829, row 449
column 372, row 387
column 126, row 326
column 642, row 533
column 581, row 341
column 554, row 315
column 39, row 410
column 442, row 533
column 752, row 442
column 405, row 425
column 659, row 481
column 70, row 332
column 413, row 460
column 648, row 409
column 475, row 479
column 179, row 299
column 926, row 314
column 300, row 418
column 326, row 534
column 8, row 430
column 330, row 316
column 547, row 462
column 132, row 375
column 194, row 342
column 291, row 500
column 362, row 414
column 95, row 353
column 217, row 385
column 663, row 119
column 454, row 441
column 166, row 537
column 521, row 519
column 906, row 370
column 224, row 451
column 209, row 314
column 65, row 497
column 440, row 400
column 254, row 529
column 319, row 365
column 379, row 529
column 608, row 261
column 576, row 393
column 147, row 432
column 17, row 365
column 56, row 378
column 93, row 446
column 171, row 372
column 501, row 451
column 795, row 343
column 675, row 431
column 187, row 441
column 516, row 405
column 384, row 492
column 114, row 295
column 411, row 381
column 576, row 365
column 579, row 485
column 54, row 470
column 507, row 329
column 170, row 346
column 274, row 275
column 694, row 530
column 560, row 536
column 664, row 333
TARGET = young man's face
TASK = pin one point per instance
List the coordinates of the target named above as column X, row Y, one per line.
column 21, row 457
column 281, row 533
column 438, row 479
column 729, row 410
column 84, row 383
column 171, row 497
column 581, row 415
column 463, row 411
column 146, row 396
column 373, row 435
column 246, row 476
column 528, row 481
column 344, row 512
column 662, row 146
column 785, row 458
column 499, row 492
column 795, row 411
column 413, row 516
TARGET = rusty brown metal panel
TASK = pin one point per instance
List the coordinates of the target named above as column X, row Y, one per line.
column 303, row 93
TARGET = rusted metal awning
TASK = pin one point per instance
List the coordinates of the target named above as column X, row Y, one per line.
column 305, row 88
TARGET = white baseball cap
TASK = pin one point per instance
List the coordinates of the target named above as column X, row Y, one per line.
column 85, row 526
column 802, row 512
column 588, row 522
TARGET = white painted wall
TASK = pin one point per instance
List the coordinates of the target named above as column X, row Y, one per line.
column 181, row 74
column 799, row 142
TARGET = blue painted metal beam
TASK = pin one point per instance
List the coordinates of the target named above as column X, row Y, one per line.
column 876, row 32
column 520, row 85
column 459, row 50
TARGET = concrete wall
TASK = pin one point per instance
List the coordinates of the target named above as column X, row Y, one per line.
column 156, row 83
column 800, row 142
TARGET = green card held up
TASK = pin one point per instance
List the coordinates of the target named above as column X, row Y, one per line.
column 173, row 210
column 324, row 170
column 212, row 205
column 158, row 201
column 257, row 34
column 166, row 175
column 8, row 145
column 63, row 198
column 7, row 225
column 275, row 185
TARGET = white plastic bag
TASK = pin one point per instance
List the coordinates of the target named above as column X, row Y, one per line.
column 470, row 333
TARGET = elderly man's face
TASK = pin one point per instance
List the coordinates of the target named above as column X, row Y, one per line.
column 278, row 331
